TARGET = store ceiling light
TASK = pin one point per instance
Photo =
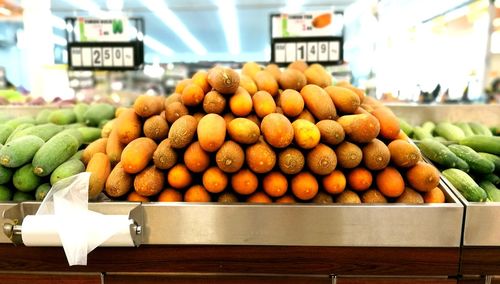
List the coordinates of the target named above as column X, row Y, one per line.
column 157, row 46
column 168, row 17
column 227, row 14
column 5, row 11
column 114, row 5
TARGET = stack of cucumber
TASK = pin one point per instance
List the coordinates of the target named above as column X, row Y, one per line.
column 467, row 153
column 36, row 152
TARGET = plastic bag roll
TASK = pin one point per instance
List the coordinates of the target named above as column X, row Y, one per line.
column 43, row 230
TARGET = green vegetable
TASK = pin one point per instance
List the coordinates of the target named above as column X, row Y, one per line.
column 449, row 131
column 98, row 112
column 440, row 154
column 476, row 162
column 20, row 120
column 5, row 132
column 20, row 151
column 25, row 180
column 54, row 152
column 44, row 131
column 41, row 191
column 406, row 127
column 79, row 110
column 43, row 116
column 5, row 174
column 67, row 169
column 420, row 133
column 465, row 128
column 480, row 129
column 20, row 196
column 470, row 190
column 493, row 158
column 89, row 134
column 62, row 116
column 482, row 143
column 5, row 193
column 429, row 126
column 491, row 190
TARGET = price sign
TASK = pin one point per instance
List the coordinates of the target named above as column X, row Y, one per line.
column 324, row 50
column 311, row 36
column 105, row 55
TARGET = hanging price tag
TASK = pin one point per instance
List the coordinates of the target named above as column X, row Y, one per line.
column 105, row 55
column 324, row 50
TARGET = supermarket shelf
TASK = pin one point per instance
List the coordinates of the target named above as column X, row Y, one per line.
column 368, row 225
column 416, row 114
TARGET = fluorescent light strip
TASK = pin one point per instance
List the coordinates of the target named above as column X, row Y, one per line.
column 227, row 14
column 157, row 46
column 160, row 9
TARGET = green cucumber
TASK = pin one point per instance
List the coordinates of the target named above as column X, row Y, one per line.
column 20, row 120
column 420, row 133
column 62, row 116
column 476, row 162
column 429, row 126
column 79, row 110
column 20, row 151
column 470, row 190
column 74, row 125
column 5, row 174
column 75, row 133
column 43, row 116
column 77, row 155
column 89, row 134
column 67, row 169
column 440, row 139
column 495, row 130
column 465, row 128
column 493, row 178
column 54, row 152
column 483, row 143
column 98, row 112
column 18, row 129
column 440, row 154
column 102, row 123
column 491, row 190
column 406, row 127
column 25, row 180
column 5, row 193
column 480, row 129
column 44, row 131
column 41, row 191
column 494, row 158
column 20, row 196
column 449, row 131
column 5, row 132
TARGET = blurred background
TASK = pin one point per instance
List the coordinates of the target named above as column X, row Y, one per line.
column 410, row 51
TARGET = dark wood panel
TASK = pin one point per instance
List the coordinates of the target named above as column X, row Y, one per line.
column 480, row 261
column 476, row 280
column 243, row 259
column 219, row 279
column 396, row 281
column 20, row 278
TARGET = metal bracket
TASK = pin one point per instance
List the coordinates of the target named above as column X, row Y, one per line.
column 15, row 215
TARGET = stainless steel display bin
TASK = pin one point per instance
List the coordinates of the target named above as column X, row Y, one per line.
column 370, row 225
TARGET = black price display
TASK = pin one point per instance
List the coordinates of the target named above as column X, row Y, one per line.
column 313, row 50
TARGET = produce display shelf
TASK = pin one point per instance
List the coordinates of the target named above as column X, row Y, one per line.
column 416, row 114
column 363, row 225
